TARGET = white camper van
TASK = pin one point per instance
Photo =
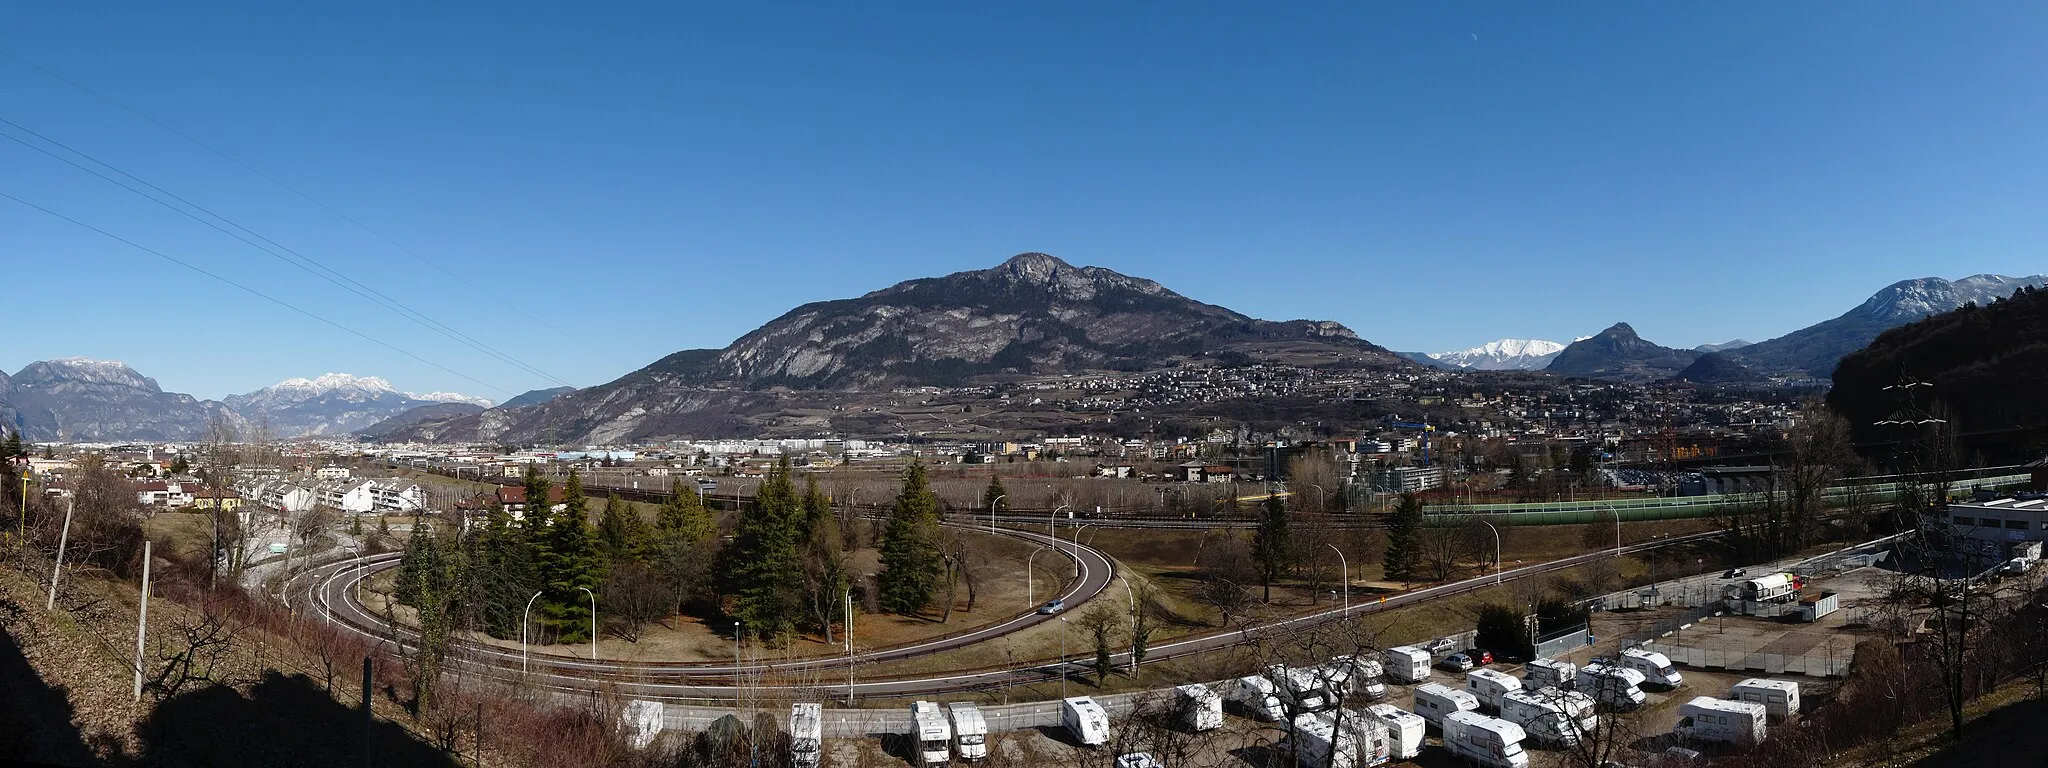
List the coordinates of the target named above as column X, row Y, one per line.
column 1362, row 676
column 934, row 734
column 1434, row 701
column 806, row 734
column 1779, row 697
column 1305, row 690
column 1612, row 686
column 1406, row 730
column 1775, row 587
column 970, row 730
column 1408, row 664
column 1258, row 698
column 1357, row 740
column 1201, row 708
column 1656, row 668
column 1549, row 673
column 1489, row 685
column 1551, row 716
column 1709, row 719
column 1487, row 741
column 1085, row 719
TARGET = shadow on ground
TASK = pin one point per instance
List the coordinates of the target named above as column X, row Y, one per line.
column 281, row 721
column 2010, row 737
column 35, row 718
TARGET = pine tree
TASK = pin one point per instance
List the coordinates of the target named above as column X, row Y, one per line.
column 1404, row 539
column 623, row 536
column 762, row 565
column 1270, row 546
column 179, row 466
column 992, row 498
column 685, row 537
column 418, row 568
column 911, row 561
column 569, row 562
column 684, row 515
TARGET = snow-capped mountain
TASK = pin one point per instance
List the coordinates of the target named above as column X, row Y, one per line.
column 333, row 403
column 1813, row 351
column 1502, row 355
column 80, row 399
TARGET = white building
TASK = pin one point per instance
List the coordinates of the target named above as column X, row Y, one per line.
column 331, row 473
column 350, row 496
column 397, row 497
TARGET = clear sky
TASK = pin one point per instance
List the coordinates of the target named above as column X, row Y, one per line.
column 639, row 179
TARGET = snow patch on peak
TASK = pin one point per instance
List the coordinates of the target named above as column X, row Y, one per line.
column 451, row 397
column 89, row 371
column 1503, row 355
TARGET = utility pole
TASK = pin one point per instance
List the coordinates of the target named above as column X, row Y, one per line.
column 62, row 539
column 369, row 718
column 142, row 620
column 849, row 646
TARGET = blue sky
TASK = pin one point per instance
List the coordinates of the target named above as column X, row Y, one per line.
column 643, row 179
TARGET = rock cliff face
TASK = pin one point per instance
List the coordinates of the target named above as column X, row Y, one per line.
column 1618, row 353
column 89, row 400
column 1031, row 315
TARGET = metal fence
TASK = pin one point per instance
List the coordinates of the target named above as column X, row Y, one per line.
column 1561, row 642
column 1827, row 661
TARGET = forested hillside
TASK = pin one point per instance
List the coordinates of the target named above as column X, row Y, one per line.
column 1988, row 365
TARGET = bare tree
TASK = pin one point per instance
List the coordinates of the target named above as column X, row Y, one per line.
column 199, row 650
column 1227, row 574
column 634, row 597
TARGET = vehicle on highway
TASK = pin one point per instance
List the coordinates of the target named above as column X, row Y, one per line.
column 1479, row 656
column 1054, row 606
column 1457, row 662
column 1734, row 573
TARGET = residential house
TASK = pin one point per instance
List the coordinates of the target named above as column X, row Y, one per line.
column 224, row 498
column 398, row 497
column 162, row 494
column 513, row 498
column 331, row 472
column 349, row 496
column 287, row 496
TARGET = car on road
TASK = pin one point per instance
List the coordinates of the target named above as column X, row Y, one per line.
column 1479, row 656
column 1441, row 645
column 1456, row 662
column 1055, row 606
column 1735, row 573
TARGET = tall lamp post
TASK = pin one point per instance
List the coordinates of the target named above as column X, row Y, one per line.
column 992, row 511
column 1050, row 521
column 1133, row 595
column 1063, row 657
column 1029, row 592
column 1319, row 495
column 522, row 631
column 593, row 621
column 1074, row 551
column 1344, row 568
column 1496, row 550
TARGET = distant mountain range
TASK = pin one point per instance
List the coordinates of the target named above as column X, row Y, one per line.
column 1618, row 353
column 78, row 399
column 534, row 397
column 1501, row 355
column 1983, row 368
column 1031, row 315
column 1813, row 351
column 333, row 404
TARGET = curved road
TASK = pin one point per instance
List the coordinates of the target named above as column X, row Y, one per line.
column 706, row 681
column 334, row 598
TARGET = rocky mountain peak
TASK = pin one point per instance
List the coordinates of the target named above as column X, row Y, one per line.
column 83, row 371
column 1033, row 267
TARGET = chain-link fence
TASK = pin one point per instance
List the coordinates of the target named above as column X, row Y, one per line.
column 1825, row 661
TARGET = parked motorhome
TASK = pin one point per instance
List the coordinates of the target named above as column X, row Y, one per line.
column 934, row 734
column 1201, row 709
column 1406, row 731
column 970, row 730
column 1433, row 701
column 1489, row 685
column 1358, row 676
column 1733, row 722
column 1611, row 686
column 1772, row 588
column 1656, row 668
column 1549, row 673
column 1485, row 741
column 1407, row 664
column 1551, row 716
column 1779, row 697
column 806, row 734
column 1303, row 689
column 1357, row 740
column 1086, row 720
column 1258, row 698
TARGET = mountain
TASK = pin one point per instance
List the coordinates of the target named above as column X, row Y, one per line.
column 1984, row 363
column 333, row 404
column 1033, row 315
column 1732, row 344
column 536, row 397
column 94, row 400
column 1503, row 355
column 1813, row 351
column 1618, row 353
column 424, row 413
column 1719, row 368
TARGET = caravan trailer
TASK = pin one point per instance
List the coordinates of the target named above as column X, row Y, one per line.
column 1549, row 673
column 1486, row 741
column 1551, row 716
column 1656, row 668
column 1779, row 697
column 1709, row 719
column 970, row 730
column 1489, row 685
column 1086, row 720
column 1200, row 708
column 1433, row 701
column 1406, row 731
column 934, row 734
column 1613, row 687
column 1258, row 698
column 1408, row 664
column 806, row 733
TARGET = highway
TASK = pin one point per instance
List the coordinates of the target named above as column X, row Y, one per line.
column 707, row 682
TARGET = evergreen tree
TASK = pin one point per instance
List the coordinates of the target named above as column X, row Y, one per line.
column 992, row 498
column 1270, row 546
column 418, row 569
column 179, row 466
column 569, row 561
column 911, row 561
column 1404, row 539
column 685, row 539
column 500, row 575
column 762, row 565
column 684, row 515
column 622, row 534
column 10, row 476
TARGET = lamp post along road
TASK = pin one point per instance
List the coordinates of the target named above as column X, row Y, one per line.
column 593, row 621
column 522, row 631
column 1133, row 595
column 1063, row 657
column 992, row 511
column 1074, row 549
column 1344, row 576
column 1496, row 550
column 1030, row 594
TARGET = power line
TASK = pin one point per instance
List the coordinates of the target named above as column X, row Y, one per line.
column 254, row 292
column 579, row 340
column 302, row 261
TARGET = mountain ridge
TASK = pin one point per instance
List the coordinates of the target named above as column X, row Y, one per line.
column 1618, row 353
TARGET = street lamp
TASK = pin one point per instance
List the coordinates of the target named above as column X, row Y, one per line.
column 1050, row 521
column 1133, row 595
column 1074, row 551
column 736, row 646
column 1344, row 566
column 1063, row 657
column 1319, row 495
column 1496, row 550
column 1028, row 590
column 593, row 621
column 522, row 631
column 992, row 511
